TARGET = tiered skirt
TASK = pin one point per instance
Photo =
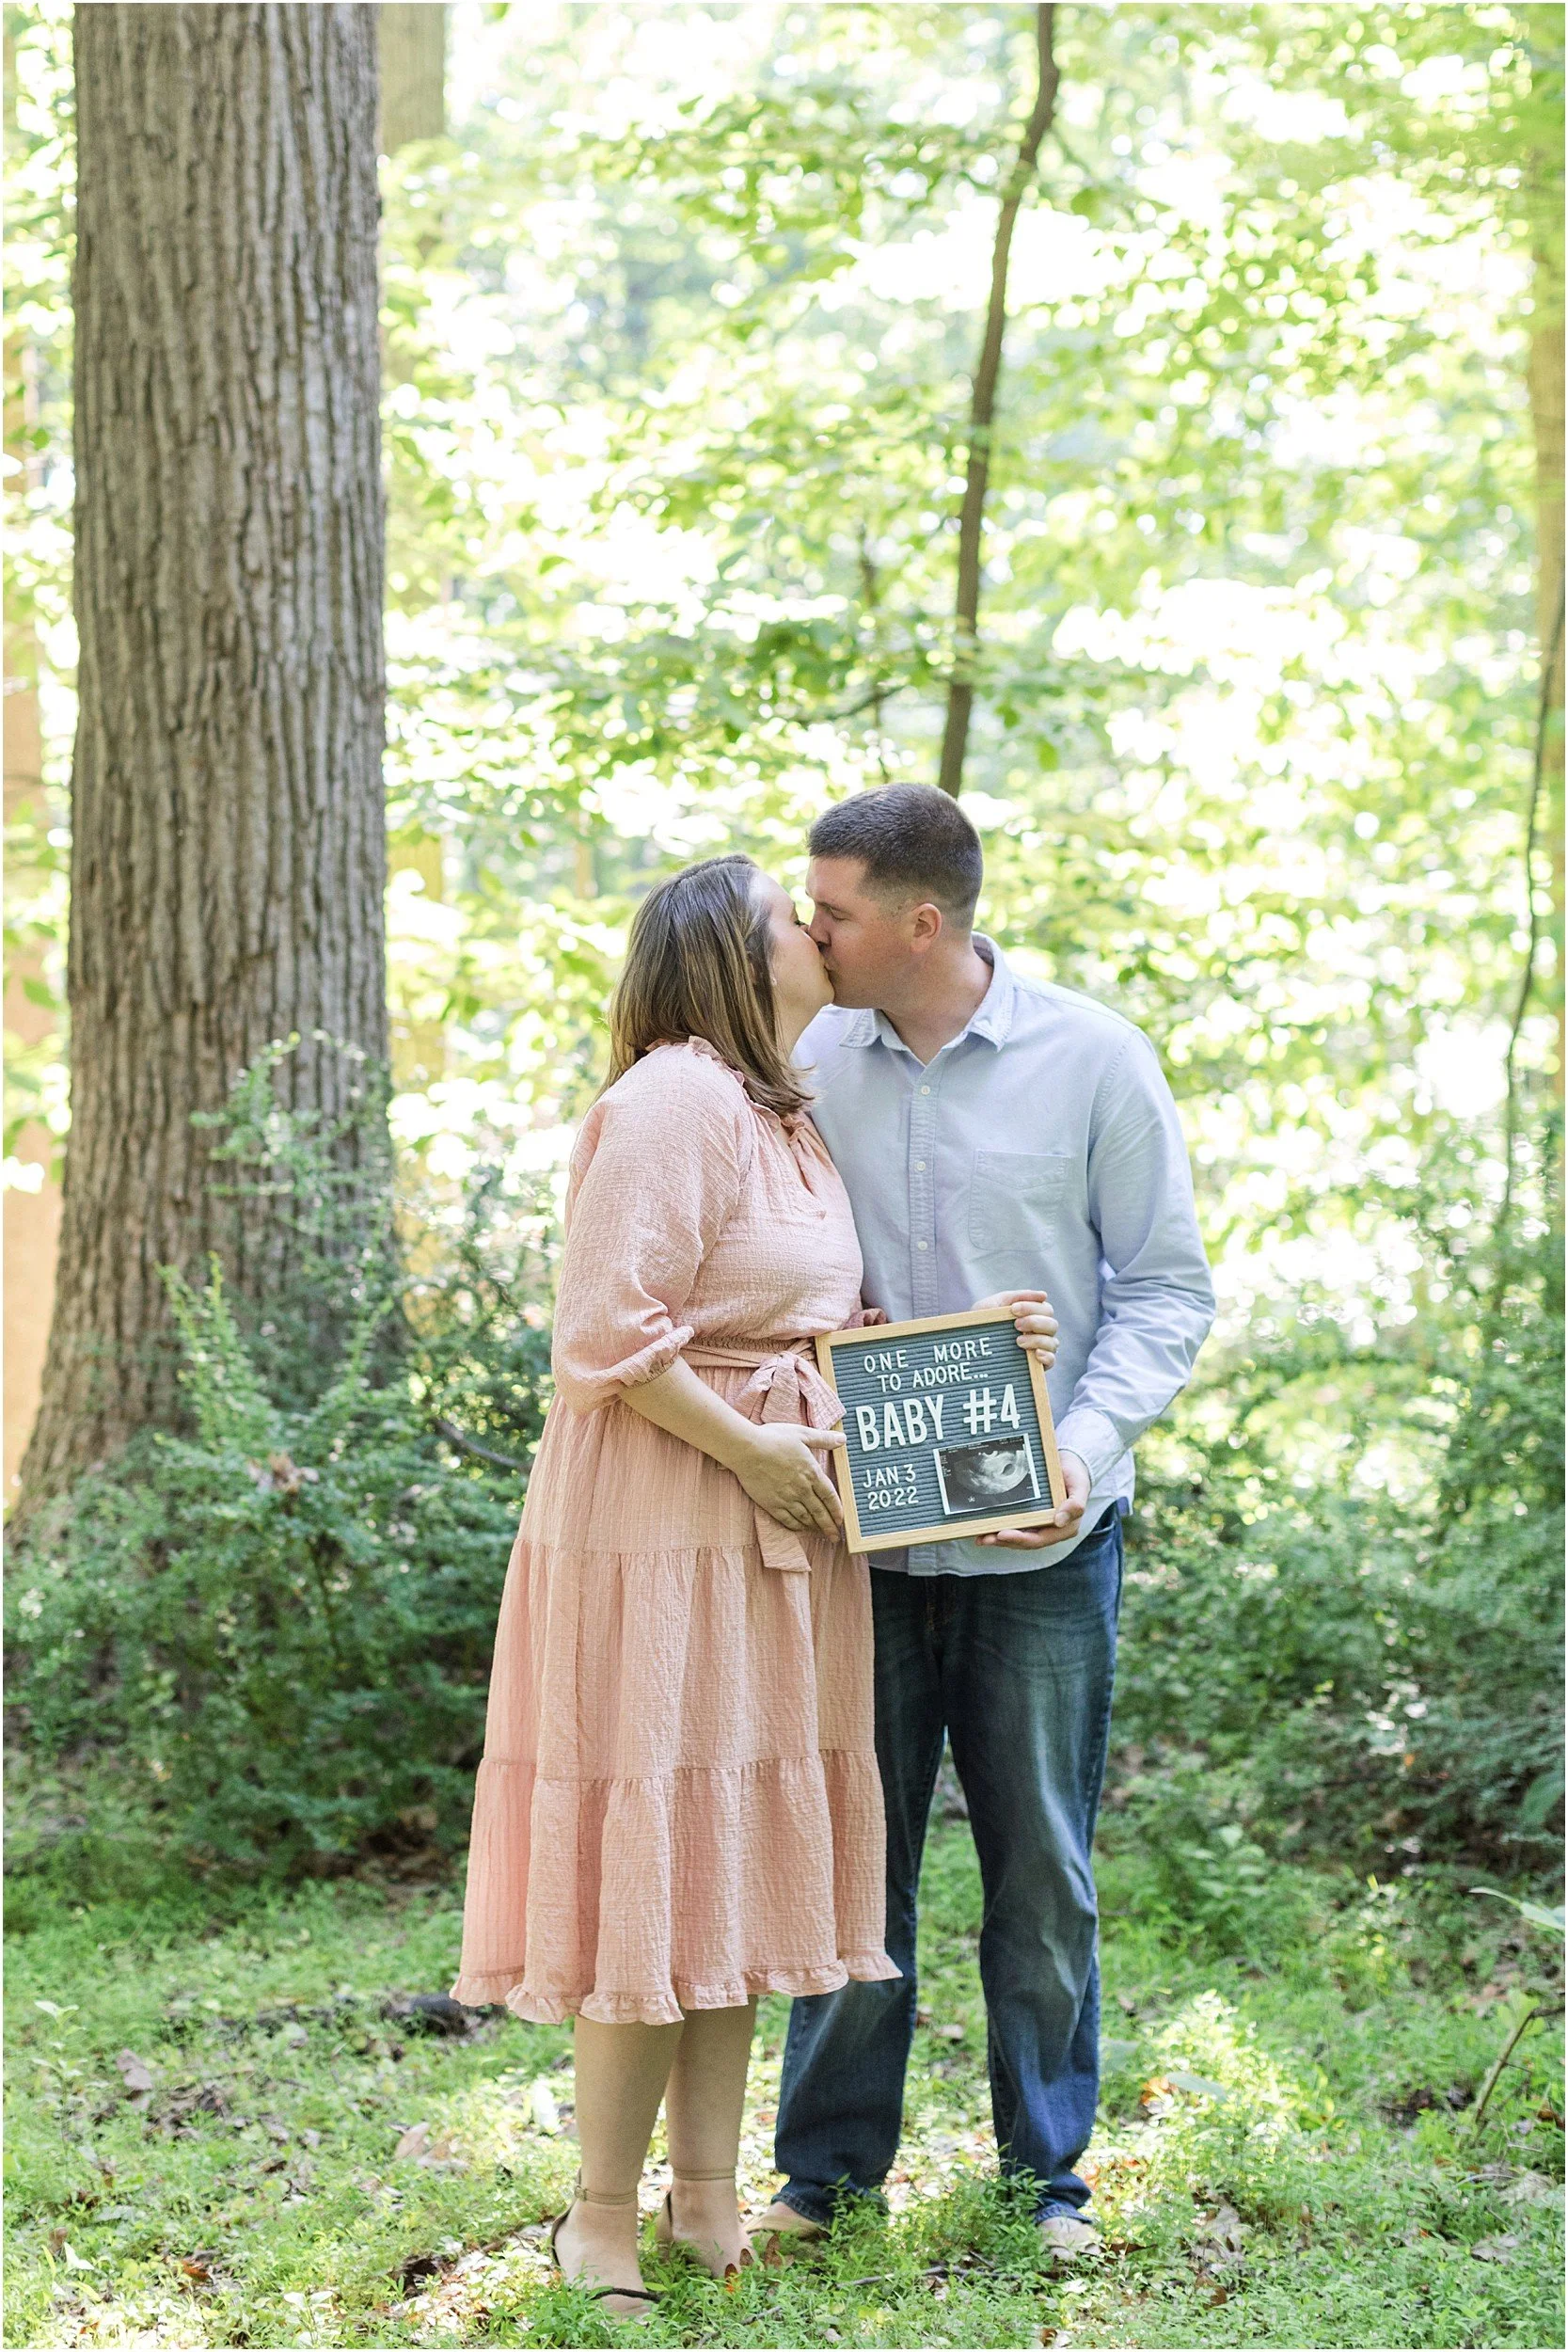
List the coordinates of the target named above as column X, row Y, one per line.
column 679, row 1804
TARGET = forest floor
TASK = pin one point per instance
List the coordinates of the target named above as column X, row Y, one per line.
column 218, row 2135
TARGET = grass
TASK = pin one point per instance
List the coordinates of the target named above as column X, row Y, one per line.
column 1283, row 2154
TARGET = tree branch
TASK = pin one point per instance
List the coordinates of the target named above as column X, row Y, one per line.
column 961, row 687
column 1552, row 654
column 456, row 1437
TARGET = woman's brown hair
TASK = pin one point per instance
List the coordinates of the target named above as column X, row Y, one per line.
column 697, row 966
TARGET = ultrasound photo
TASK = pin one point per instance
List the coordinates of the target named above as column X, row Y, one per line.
column 998, row 1474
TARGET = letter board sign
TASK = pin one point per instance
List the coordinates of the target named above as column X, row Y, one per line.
column 947, row 1429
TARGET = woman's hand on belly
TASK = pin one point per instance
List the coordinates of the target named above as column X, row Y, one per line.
column 773, row 1460
column 779, row 1470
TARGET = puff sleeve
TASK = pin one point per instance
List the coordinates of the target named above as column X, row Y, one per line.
column 655, row 1177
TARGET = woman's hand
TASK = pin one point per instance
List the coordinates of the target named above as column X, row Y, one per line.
column 776, row 1466
column 1035, row 1323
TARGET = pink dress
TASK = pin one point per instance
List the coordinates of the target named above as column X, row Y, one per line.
column 679, row 1804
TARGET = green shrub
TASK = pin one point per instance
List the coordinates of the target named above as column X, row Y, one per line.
column 282, row 1625
column 266, row 1638
column 1369, row 1657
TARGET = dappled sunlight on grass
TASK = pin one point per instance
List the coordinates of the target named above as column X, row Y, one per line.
column 1282, row 2156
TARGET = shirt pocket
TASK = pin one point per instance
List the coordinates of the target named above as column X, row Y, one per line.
column 1015, row 1199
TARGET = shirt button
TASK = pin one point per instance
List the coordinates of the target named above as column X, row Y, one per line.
column 924, row 1090
column 923, row 1245
column 920, row 1163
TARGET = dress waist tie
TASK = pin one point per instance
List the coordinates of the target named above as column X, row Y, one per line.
column 786, row 1384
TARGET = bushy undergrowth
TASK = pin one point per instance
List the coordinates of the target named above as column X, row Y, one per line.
column 266, row 1640
column 1364, row 1654
column 280, row 1627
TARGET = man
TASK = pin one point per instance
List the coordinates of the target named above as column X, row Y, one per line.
column 994, row 1132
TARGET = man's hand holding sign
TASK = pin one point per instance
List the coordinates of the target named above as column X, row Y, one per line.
column 1037, row 1332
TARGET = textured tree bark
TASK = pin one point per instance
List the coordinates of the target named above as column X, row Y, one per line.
column 982, row 415
column 229, row 856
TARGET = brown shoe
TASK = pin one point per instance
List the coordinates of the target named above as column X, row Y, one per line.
column 782, row 2227
column 1066, row 2239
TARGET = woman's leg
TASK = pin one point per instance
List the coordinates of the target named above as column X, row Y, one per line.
column 621, row 2074
column 701, row 2115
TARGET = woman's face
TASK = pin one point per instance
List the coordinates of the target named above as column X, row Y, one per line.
column 800, row 982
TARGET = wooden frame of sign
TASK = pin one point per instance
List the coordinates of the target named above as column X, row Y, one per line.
column 908, row 1474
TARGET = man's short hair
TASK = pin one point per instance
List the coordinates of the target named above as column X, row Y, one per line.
column 914, row 841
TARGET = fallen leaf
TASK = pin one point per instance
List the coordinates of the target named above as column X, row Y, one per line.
column 1197, row 2086
column 312, row 2139
column 1495, row 2250
column 281, row 1475
column 134, row 2070
column 1227, row 2228
column 415, row 2140
column 543, row 2107
column 1533, row 2189
column 948, row 2033
column 197, row 2266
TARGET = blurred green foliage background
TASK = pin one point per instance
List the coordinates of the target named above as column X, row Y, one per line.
column 678, row 322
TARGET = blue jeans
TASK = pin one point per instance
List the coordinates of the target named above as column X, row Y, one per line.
column 1017, row 1671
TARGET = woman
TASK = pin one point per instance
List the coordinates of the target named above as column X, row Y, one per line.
column 679, row 1805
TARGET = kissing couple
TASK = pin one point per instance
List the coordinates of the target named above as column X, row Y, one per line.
column 713, row 1733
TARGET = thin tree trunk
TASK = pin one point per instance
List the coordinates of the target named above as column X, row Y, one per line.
column 413, row 56
column 960, row 689
column 229, row 856
column 412, row 72
column 1547, row 402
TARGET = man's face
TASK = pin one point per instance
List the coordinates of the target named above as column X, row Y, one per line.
column 871, row 947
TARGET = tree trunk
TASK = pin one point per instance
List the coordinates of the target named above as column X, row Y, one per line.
column 413, row 74
column 229, row 856
column 413, row 47
column 960, row 689
column 1545, row 381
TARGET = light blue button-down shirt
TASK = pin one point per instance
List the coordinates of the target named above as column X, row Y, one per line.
column 1040, row 1150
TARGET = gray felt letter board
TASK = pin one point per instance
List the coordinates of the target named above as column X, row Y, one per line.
column 948, row 1430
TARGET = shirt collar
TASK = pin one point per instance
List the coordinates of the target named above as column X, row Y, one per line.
column 991, row 1019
